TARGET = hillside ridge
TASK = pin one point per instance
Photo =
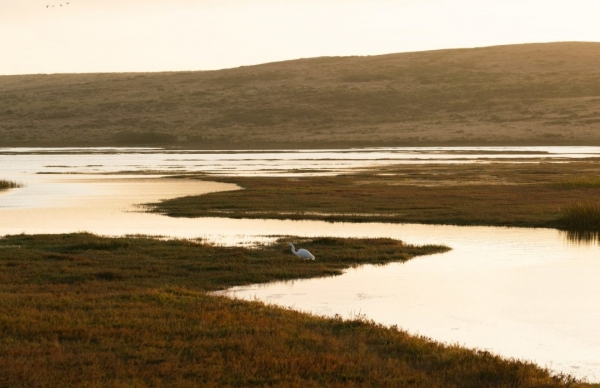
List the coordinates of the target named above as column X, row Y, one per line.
column 527, row 94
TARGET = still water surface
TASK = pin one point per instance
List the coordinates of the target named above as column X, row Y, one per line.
column 523, row 293
column 271, row 162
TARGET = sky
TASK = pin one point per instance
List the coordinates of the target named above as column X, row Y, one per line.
column 172, row 35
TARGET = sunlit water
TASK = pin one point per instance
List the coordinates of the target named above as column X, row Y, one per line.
column 528, row 294
column 273, row 162
column 523, row 293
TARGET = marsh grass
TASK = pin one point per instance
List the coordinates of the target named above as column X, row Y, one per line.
column 81, row 310
column 579, row 182
column 581, row 216
column 5, row 184
column 498, row 194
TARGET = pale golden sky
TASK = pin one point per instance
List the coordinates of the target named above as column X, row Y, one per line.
column 156, row 35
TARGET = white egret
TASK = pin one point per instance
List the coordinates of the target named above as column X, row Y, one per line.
column 302, row 253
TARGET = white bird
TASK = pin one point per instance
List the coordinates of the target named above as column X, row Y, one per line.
column 302, row 253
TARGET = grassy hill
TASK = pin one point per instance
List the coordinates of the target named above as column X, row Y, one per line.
column 546, row 94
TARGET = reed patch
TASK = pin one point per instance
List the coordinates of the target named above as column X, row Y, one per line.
column 6, row 184
column 581, row 216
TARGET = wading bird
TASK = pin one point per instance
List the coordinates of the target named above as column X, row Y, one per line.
column 302, row 253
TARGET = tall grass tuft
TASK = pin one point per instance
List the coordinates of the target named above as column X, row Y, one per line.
column 5, row 185
column 582, row 182
column 581, row 216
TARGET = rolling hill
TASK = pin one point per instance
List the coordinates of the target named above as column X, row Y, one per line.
column 531, row 94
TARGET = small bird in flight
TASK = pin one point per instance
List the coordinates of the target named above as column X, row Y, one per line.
column 48, row 6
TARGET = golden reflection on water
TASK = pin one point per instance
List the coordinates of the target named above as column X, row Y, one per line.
column 106, row 206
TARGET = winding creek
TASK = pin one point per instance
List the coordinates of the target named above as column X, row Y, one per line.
column 524, row 293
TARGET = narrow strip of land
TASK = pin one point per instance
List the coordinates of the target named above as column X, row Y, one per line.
column 537, row 194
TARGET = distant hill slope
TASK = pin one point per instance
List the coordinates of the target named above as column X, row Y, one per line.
column 520, row 94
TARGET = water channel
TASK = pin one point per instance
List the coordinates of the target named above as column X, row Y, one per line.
column 524, row 293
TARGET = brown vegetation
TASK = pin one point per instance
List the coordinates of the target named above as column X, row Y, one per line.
column 80, row 310
column 505, row 194
column 521, row 94
column 5, row 185
column 581, row 216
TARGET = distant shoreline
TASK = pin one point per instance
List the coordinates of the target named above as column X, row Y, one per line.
column 304, row 145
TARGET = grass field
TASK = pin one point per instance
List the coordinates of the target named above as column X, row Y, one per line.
column 499, row 194
column 533, row 94
column 81, row 310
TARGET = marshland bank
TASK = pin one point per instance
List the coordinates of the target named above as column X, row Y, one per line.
column 531, row 94
column 80, row 309
column 507, row 193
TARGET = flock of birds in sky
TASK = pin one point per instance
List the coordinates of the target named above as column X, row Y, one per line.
column 52, row 5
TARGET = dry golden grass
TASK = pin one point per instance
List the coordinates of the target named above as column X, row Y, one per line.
column 532, row 94
column 80, row 310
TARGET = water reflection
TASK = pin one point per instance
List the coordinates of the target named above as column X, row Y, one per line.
column 582, row 237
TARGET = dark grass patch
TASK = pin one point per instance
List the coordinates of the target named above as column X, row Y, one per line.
column 5, row 184
column 100, row 244
column 64, row 278
column 581, row 216
column 579, row 182
column 108, row 275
